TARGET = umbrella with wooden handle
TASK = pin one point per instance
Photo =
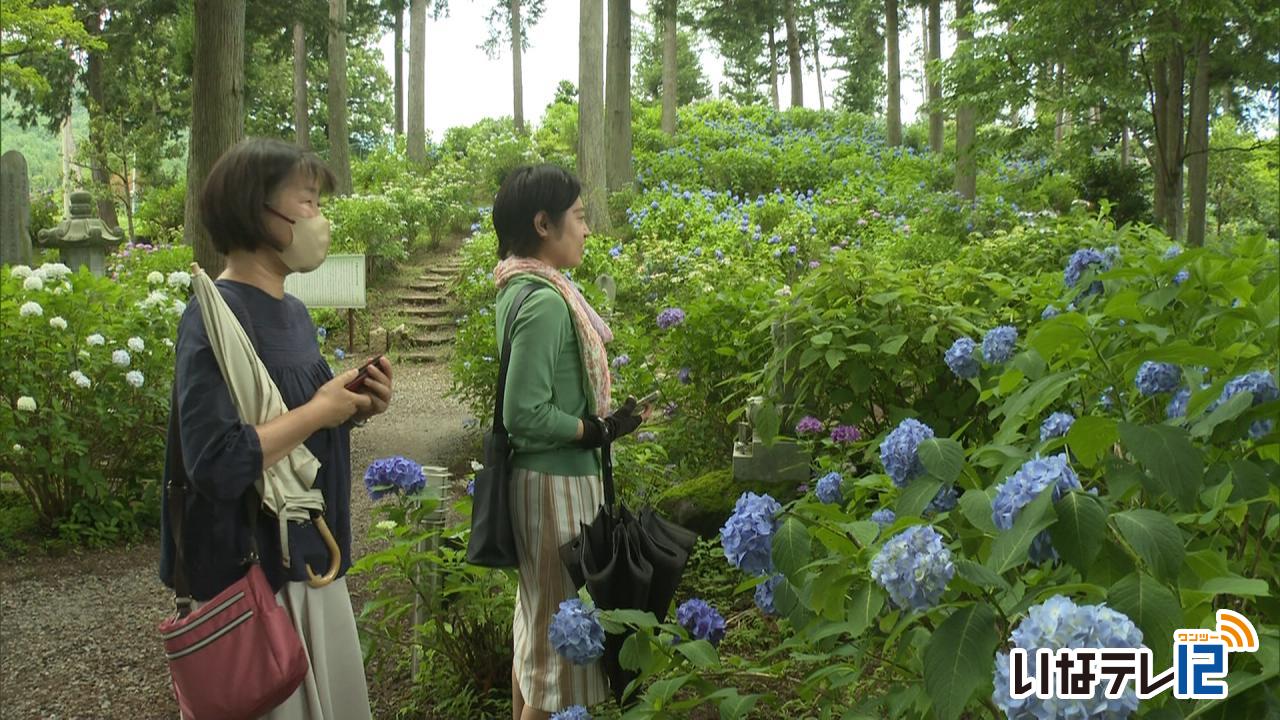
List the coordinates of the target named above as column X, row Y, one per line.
column 335, row 555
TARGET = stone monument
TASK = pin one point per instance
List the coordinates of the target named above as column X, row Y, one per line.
column 15, row 210
column 82, row 239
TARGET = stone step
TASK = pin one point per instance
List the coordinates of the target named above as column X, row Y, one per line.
column 423, row 356
column 428, row 286
column 430, row 339
column 432, row 276
column 412, row 298
column 430, row 311
column 432, row 324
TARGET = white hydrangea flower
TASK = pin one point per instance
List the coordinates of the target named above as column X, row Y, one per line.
column 26, row 403
column 155, row 299
column 84, row 354
column 62, row 288
column 386, row 525
column 134, row 378
column 121, row 358
column 33, row 283
column 20, row 272
column 784, row 291
column 54, row 271
column 18, row 448
column 29, row 309
column 178, row 307
column 135, row 344
column 95, row 339
column 167, row 342
column 476, row 467
column 180, row 279
column 57, row 323
column 155, row 277
column 80, row 379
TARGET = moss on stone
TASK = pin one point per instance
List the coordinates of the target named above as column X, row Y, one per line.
column 705, row 502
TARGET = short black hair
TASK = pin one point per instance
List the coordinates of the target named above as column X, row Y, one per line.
column 235, row 194
column 525, row 192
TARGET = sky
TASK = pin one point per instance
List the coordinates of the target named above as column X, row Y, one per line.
column 463, row 85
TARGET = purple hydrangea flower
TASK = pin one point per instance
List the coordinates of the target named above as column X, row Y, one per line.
column 914, row 567
column 576, row 633
column 898, row 451
column 747, row 536
column 808, row 425
column 845, row 434
column 701, row 620
column 884, row 517
column 959, row 357
column 1056, row 425
column 393, row 474
column 828, row 490
column 1023, row 486
column 1060, row 623
column 621, row 360
column 999, row 343
column 670, row 318
column 1157, row 377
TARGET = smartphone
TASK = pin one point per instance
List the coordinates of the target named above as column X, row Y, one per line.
column 649, row 399
column 358, row 382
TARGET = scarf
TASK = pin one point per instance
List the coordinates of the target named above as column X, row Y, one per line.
column 590, row 328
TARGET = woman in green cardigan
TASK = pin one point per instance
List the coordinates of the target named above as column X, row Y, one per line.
column 556, row 410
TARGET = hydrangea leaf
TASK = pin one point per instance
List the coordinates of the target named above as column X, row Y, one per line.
column 1079, row 532
column 957, row 658
column 1167, row 454
column 980, row 575
column 767, row 423
column 701, row 653
column 916, row 496
column 733, row 705
column 1153, row 608
column 1155, row 538
column 1226, row 412
column 975, row 504
column 942, row 457
column 865, row 608
column 792, row 548
column 1065, row 330
column 1090, row 437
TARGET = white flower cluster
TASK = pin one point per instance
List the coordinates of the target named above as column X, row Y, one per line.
column 80, row 379
column 57, row 323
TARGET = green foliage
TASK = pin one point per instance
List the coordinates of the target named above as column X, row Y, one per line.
column 1103, row 177
column 160, row 214
column 691, row 81
column 34, row 31
column 88, row 460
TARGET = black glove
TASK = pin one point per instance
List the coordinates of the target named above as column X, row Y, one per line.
column 596, row 431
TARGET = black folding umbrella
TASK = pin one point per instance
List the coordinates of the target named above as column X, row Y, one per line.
column 627, row 561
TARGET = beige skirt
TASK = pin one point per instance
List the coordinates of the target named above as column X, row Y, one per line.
column 547, row 511
column 334, row 688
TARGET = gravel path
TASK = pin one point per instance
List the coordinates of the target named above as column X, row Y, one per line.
column 77, row 634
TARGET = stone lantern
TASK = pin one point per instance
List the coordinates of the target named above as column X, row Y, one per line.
column 82, row 239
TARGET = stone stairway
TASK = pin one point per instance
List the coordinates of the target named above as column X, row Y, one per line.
column 429, row 314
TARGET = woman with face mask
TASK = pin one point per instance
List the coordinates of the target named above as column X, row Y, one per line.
column 260, row 205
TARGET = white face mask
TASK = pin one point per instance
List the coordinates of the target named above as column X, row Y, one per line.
column 310, row 243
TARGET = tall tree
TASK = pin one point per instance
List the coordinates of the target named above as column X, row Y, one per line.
column 217, row 110
column 618, row 96
column 856, row 45
column 691, row 81
column 98, row 105
column 417, row 135
column 773, row 67
column 893, row 111
column 397, row 7
column 816, row 30
column 933, row 73
column 301, row 123
column 339, row 138
column 1198, row 143
column 591, row 132
column 669, row 69
column 509, row 23
column 966, row 114
column 793, row 54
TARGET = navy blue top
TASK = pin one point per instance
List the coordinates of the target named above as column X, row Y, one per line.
column 221, row 456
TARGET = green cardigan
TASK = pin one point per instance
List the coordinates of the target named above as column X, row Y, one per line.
column 546, row 383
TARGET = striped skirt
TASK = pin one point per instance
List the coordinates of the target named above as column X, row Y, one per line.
column 547, row 511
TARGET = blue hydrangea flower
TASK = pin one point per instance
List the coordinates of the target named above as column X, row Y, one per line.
column 1263, row 386
column 999, row 343
column 670, row 318
column 747, row 536
column 576, row 633
column 764, row 595
column 471, row 487
column 573, row 712
column 1181, row 276
column 322, row 333
column 1157, row 377
column 393, row 474
column 1059, row 623
column 1082, row 260
column 1106, row 401
column 339, row 353
column 959, row 357
column 685, row 375
column 914, row 567
column 615, row 251
column 946, row 499
column 828, row 490
column 1177, row 406
column 701, row 620
column 898, row 451
column 884, row 517
column 1056, row 425
column 1023, row 486
column 621, row 360
column 1049, row 312
column 1174, row 251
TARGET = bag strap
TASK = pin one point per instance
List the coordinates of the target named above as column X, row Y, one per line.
column 177, row 508
column 521, row 296
column 606, row 473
